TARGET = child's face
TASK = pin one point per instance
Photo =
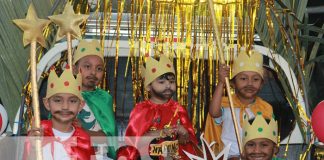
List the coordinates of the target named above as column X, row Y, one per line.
column 92, row 71
column 247, row 84
column 64, row 107
column 162, row 88
column 259, row 149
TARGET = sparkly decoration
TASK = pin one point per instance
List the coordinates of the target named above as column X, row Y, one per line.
column 182, row 31
column 289, row 48
column 319, row 151
column 120, row 11
column 68, row 22
column 32, row 27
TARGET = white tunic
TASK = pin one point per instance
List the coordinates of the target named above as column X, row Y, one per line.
column 228, row 131
column 59, row 151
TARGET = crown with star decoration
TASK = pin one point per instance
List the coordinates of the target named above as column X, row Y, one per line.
column 252, row 61
column 155, row 68
column 66, row 83
column 260, row 129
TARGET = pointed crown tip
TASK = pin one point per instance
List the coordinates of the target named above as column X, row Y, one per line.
column 155, row 68
column 260, row 128
column 65, row 83
column 251, row 61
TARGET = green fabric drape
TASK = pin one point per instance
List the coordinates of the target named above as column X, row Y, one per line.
column 100, row 103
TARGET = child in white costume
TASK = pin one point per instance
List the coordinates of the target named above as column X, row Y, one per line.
column 247, row 80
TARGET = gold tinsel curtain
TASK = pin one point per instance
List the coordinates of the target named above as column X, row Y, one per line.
column 182, row 30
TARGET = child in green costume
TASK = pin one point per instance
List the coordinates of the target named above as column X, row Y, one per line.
column 97, row 116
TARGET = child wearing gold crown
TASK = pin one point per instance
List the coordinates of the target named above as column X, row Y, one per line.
column 160, row 117
column 97, row 116
column 62, row 139
column 247, row 80
column 260, row 137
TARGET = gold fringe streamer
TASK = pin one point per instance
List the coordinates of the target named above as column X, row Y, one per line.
column 182, row 30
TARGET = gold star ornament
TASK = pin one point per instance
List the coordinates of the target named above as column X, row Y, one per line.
column 32, row 27
column 68, row 22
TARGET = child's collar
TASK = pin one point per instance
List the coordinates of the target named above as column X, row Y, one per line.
column 242, row 104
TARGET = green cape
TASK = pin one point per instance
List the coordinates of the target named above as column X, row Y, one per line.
column 100, row 103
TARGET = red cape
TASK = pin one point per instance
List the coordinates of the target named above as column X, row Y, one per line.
column 78, row 145
column 147, row 115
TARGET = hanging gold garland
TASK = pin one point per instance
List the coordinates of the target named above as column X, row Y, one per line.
column 180, row 19
column 182, row 30
column 290, row 43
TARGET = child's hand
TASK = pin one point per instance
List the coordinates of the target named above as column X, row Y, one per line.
column 33, row 135
column 223, row 72
column 183, row 135
column 36, row 132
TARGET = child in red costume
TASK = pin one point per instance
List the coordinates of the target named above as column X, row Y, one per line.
column 61, row 139
column 160, row 117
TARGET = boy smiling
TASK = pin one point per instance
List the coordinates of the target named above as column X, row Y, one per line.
column 247, row 80
column 62, row 139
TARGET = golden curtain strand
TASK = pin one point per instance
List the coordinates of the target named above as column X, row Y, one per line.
column 182, row 30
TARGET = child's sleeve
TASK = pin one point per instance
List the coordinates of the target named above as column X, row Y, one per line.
column 219, row 120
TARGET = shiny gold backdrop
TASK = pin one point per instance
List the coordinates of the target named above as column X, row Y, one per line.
column 182, row 29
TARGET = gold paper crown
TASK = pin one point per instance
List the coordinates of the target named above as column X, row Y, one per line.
column 155, row 68
column 244, row 62
column 260, row 129
column 87, row 48
column 66, row 83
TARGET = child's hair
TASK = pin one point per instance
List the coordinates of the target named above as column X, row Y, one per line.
column 167, row 76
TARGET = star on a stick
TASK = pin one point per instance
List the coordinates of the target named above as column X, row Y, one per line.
column 68, row 22
column 32, row 27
